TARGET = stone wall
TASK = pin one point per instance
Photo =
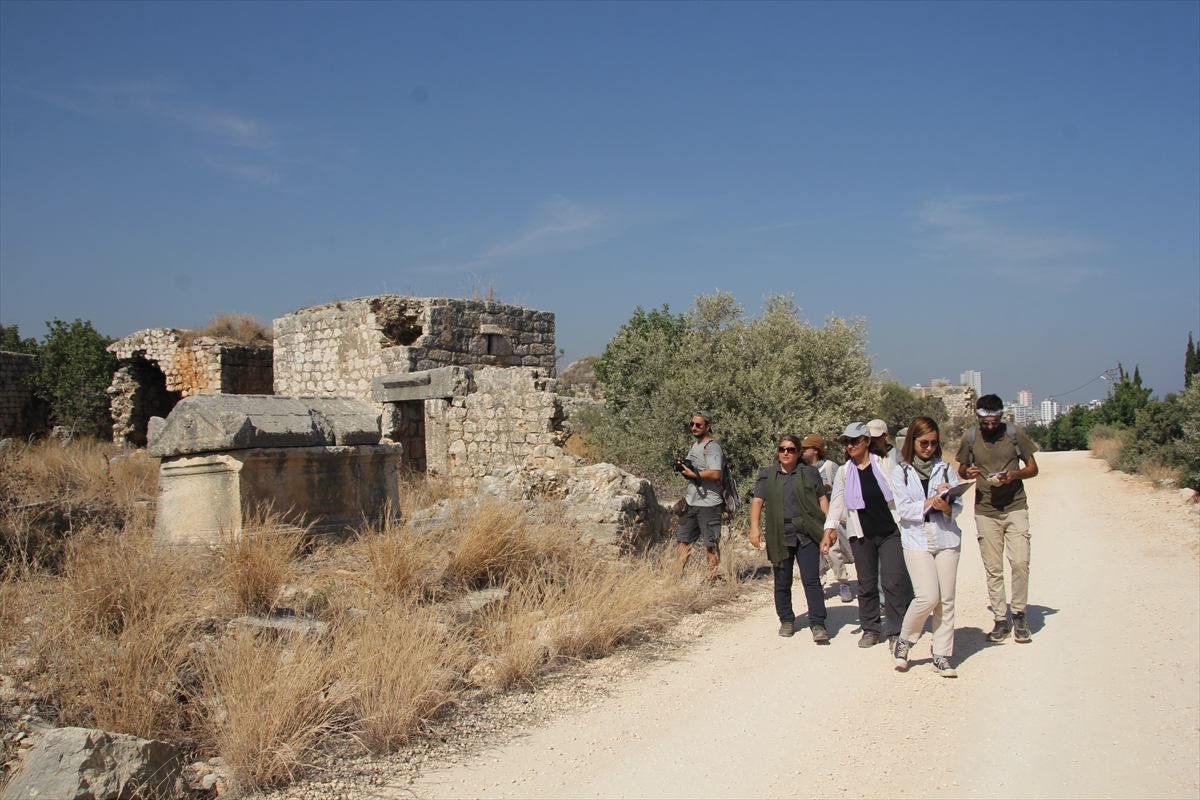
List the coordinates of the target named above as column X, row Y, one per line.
column 18, row 413
column 959, row 400
column 160, row 366
column 339, row 348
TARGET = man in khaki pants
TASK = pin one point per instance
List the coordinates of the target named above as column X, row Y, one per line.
column 992, row 455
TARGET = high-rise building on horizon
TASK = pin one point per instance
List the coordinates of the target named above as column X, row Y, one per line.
column 974, row 379
column 1025, row 398
column 1050, row 410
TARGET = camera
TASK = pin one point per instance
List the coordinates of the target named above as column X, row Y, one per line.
column 680, row 463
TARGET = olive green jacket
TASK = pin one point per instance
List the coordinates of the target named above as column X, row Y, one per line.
column 814, row 519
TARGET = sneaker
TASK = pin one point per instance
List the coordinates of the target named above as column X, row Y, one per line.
column 900, row 654
column 942, row 665
column 1000, row 632
column 869, row 639
column 844, row 592
column 1021, row 632
column 892, row 643
column 820, row 635
column 787, row 628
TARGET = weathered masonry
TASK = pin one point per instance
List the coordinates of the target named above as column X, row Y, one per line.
column 339, row 348
column 160, row 366
column 18, row 413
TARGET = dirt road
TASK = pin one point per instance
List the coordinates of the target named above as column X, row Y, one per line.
column 1105, row 702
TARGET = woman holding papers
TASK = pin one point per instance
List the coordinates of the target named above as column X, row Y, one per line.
column 928, row 503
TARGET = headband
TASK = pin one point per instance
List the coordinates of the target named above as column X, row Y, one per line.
column 988, row 412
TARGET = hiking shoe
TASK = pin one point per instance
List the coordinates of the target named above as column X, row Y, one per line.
column 1021, row 632
column 1000, row 632
column 869, row 639
column 820, row 635
column 892, row 642
column 900, row 654
column 844, row 593
column 787, row 628
column 942, row 665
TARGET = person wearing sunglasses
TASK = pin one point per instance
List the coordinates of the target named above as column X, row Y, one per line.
column 991, row 455
column 931, row 540
column 794, row 501
column 812, row 452
column 864, row 500
column 704, row 497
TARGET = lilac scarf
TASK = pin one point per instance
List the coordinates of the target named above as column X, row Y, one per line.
column 854, row 495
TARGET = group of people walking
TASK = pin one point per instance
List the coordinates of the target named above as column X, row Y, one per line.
column 890, row 511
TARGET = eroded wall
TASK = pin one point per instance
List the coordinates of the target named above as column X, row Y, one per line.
column 18, row 415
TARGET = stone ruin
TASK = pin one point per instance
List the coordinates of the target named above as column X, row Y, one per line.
column 161, row 366
column 19, row 413
column 959, row 400
column 369, row 390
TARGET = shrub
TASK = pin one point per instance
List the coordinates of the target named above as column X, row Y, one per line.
column 256, row 564
column 74, row 368
column 1106, row 443
column 234, row 326
column 760, row 376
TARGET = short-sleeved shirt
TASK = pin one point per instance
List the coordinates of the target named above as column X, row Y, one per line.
column 876, row 518
column 705, row 456
column 828, row 470
column 993, row 456
column 791, row 505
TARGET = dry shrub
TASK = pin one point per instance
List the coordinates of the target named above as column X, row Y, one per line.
column 1106, row 443
column 270, row 703
column 1160, row 472
column 257, row 563
column 418, row 490
column 403, row 563
column 405, row 664
column 234, row 326
column 493, row 543
column 116, row 651
column 50, row 490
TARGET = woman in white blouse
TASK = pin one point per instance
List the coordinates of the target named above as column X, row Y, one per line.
column 931, row 540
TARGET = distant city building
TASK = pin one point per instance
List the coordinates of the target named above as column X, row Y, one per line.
column 1050, row 411
column 1095, row 404
column 1025, row 398
column 974, row 379
column 1022, row 414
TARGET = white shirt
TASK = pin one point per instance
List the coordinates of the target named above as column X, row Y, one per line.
column 910, row 503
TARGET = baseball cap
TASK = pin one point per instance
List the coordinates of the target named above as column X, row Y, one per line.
column 877, row 427
column 854, row 430
column 814, row 440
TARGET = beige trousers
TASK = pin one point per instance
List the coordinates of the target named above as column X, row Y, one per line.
column 934, row 575
column 1008, row 532
column 836, row 560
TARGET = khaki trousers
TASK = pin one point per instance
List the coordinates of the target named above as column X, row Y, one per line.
column 934, row 575
column 836, row 561
column 1007, row 532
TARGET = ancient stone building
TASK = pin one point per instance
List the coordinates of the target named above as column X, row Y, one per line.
column 18, row 413
column 959, row 400
column 160, row 366
column 339, row 348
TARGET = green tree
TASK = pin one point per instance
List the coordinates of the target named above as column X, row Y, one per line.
column 1188, row 446
column 1124, row 399
column 11, row 341
column 898, row 406
column 760, row 376
column 73, row 370
column 1191, row 363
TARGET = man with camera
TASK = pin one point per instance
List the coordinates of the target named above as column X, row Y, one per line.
column 702, row 468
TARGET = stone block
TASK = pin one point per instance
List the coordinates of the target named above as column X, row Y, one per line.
column 203, row 499
column 89, row 764
column 430, row 384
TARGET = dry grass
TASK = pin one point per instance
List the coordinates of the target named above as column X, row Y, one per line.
column 110, row 633
column 1160, row 473
column 405, row 666
column 236, row 327
column 270, row 703
column 1106, row 447
column 257, row 563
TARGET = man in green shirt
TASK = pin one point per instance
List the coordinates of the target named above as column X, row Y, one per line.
column 992, row 455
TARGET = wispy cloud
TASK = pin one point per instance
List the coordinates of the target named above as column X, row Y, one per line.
column 978, row 229
column 228, row 142
column 560, row 225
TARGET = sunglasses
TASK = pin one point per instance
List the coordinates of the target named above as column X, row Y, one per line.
column 854, row 441
column 926, row 443
column 787, row 449
column 696, row 424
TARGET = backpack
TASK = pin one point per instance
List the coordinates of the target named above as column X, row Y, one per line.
column 1011, row 430
column 729, row 487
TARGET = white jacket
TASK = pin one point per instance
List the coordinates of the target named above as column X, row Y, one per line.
column 910, row 502
column 837, row 503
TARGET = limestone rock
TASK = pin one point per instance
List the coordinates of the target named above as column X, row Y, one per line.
column 87, row 764
column 215, row 422
column 431, row 384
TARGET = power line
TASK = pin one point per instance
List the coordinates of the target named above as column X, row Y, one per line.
column 1107, row 375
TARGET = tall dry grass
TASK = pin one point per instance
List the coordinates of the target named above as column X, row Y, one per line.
column 256, row 563
column 234, row 326
column 270, row 703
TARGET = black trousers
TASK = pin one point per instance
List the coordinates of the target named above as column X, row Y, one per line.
column 808, row 556
column 876, row 558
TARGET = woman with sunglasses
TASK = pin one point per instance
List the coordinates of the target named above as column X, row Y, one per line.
column 795, row 502
column 862, row 496
column 932, row 542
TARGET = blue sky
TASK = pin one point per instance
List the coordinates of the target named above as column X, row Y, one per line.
column 1013, row 188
